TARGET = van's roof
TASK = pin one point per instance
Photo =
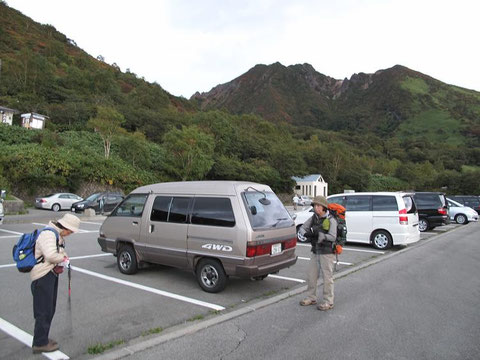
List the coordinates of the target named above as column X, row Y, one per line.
column 201, row 187
column 374, row 193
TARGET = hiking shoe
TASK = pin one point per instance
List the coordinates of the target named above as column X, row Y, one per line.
column 51, row 346
column 325, row 307
column 53, row 341
column 307, row 301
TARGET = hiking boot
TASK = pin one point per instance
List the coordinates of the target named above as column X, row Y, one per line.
column 325, row 307
column 51, row 346
column 53, row 341
column 307, row 302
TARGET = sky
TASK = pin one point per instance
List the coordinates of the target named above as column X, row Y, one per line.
column 187, row 46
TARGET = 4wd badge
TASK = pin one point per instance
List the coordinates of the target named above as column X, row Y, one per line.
column 217, row 247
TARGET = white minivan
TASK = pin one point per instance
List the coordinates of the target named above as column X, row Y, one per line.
column 382, row 219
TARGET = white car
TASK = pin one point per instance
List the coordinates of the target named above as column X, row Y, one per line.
column 382, row 219
column 56, row 202
column 461, row 214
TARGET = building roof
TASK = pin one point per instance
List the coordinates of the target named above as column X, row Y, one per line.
column 313, row 177
column 2, row 108
column 35, row 116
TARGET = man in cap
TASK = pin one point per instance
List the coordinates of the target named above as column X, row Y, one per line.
column 321, row 230
column 44, row 277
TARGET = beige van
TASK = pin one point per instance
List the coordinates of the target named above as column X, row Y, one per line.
column 215, row 228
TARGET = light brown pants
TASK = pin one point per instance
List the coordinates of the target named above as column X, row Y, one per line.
column 323, row 262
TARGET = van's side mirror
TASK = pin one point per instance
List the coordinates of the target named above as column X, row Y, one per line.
column 3, row 194
column 253, row 210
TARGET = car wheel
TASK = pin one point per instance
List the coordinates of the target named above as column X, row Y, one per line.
column 300, row 237
column 381, row 240
column 461, row 219
column 127, row 260
column 56, row 207
column 210, row 275
column 423, row 225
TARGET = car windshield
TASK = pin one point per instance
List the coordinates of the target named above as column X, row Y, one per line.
column 92, row 197
column 266, row 214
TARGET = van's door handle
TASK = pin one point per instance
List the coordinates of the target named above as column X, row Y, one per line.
column 135, row 222
column 152, row 227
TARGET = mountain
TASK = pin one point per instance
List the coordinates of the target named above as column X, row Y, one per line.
column 42, row 70
column 396, row 101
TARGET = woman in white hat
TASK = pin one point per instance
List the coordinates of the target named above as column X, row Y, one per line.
column 50, row 250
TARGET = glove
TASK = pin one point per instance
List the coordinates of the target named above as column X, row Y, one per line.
column 65, row 262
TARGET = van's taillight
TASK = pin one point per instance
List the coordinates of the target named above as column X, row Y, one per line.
column 290, row 243
column 403, row 218
column 258, row 250
column 442, row 211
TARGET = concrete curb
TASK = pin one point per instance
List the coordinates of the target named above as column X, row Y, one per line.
column 182, row 330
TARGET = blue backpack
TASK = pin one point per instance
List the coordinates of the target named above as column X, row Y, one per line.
column 24, row 251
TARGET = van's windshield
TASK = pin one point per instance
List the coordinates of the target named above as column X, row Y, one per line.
column 263, row 216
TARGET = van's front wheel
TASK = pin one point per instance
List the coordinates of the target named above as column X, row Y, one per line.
column 381, row 240
column 211, row 276
column 127, row 260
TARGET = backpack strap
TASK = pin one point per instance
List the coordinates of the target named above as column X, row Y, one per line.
column 42, row 258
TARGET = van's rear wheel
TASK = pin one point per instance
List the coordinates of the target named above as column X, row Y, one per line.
column 127, row 260
column 210, row 275
column 381, row 240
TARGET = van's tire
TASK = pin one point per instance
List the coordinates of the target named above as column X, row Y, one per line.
column 210, row 275
column 381, row 240
column 56, row 207
column 127, row 260
column 461, row 219
column 423, row 225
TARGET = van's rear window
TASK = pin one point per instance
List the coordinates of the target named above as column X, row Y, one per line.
column 213, row 212
column 263, row 214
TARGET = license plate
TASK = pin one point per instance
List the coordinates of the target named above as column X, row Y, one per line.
column 276, row 249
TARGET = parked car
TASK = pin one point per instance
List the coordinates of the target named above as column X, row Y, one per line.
column 101, row 202
column 459, row 213
column 216, row 229
column 471, row 201
column 432, row 209
column 305, row 200
column 2, row 212
column 382, row 219
column 57, row 202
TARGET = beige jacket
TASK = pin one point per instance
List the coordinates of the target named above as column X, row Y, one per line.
column 47, row 246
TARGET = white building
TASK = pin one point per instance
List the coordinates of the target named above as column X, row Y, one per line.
column 311, row 185
column 6, row 115
column 33, row 121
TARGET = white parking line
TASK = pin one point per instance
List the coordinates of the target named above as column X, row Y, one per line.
column 286, row 278
column 72, row 258
column 11, row 232
column 352, row 249
column 339, row 262
column 150, row 289
column 27, row 339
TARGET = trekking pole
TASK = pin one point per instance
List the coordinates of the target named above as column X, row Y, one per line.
column 69, row 281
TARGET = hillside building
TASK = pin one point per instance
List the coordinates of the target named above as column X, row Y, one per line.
column 33, row 120
column 311, row 185
column 6, row 115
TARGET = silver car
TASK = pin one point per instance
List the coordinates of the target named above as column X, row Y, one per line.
column 56, row 202
column 461, row 214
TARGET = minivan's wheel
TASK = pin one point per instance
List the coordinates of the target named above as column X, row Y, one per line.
column 300, row 237
column 127, row 260
column 423, row 225
column 461, row 219
column 56, row 207
column 381, row 240
column 211, row 276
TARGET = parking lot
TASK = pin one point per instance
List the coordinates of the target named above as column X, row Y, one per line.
column 107, row 307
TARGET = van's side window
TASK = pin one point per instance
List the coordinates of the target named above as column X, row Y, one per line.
column 384, row 203
column 358, row 203
column 337, row 200
column 213, row 211
column 131, row 206
column 171, row 209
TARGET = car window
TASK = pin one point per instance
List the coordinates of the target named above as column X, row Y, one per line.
column 64, row 196
column 428, row 200
column 262, row 215
column 132, row 206
column 358, row 203
column 384, row 203
column 409, row 204
column 337, row 199
column 170, row 209
column 213, row 211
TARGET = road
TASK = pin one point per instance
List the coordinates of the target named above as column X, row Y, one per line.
column 420, row 304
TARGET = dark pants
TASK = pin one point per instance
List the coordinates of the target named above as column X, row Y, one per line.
column 44, row 291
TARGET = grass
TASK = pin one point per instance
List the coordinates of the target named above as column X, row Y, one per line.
column 100, row 348
column 416, row 86
column 156, row 330
column 196, row 317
